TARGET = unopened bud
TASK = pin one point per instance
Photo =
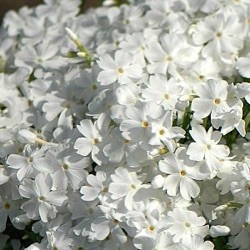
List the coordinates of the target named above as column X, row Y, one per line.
column 216, row 231
column 81, row 54
column 26, row 136
column 221, row 208
column 71, row 34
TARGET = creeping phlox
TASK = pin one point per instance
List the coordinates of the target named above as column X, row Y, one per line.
column 127, row 126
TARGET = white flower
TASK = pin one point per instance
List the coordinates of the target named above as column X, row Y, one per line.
column 59, row 239
column 183, row 224
column 233, row 119
column 44, row 55
column 9, row 209
column 124, row 184
column 221, row 33
column 42, row 200
column 212, row 99
column 108, row 225
column 171, row 54
column 163, row 91
column 206, row 147
column 165, row 133
column 67, row 170
column 121, row 69
column 137, row 124
column 93, row 136
column 12, row 108
column 26, row 164
column 196, row 242
column 182, row 174
column 98, row 186
column 149, row 223
column 135, row 44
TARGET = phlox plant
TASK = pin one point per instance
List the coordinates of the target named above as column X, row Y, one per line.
column 125, row 127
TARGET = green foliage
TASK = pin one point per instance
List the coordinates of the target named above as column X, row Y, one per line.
column 26, row 236
column 220, row 243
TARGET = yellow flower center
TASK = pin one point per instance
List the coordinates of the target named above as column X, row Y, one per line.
column 120, row 70
column 161, row 131
column 65, row 167
column 7, row 205
column 217, row 101
column 41, row 198
column 182, row 173
column 96, row 141
column 218, row 34
column 94, row 87
column 201, row 77
column 151, row 228
column 145, row 124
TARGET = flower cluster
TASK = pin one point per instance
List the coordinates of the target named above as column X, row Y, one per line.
column 126, row 127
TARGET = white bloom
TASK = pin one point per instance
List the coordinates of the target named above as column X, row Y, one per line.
column 121, row 69
column 206, row 147
column 137, row 124
column 182, row 174
column 42, row 200
column 93, row 136
column 163, row 91
column 98, row 186
column 124, row 184
column 165, row 133
column 221, row 32
column 196, row 242
column 171, row 54
column 212, row 99
column 183, row 224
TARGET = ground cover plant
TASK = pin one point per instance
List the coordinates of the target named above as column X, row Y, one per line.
column 125, row 127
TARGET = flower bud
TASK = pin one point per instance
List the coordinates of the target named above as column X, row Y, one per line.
column 26, row 136
column 216, row 231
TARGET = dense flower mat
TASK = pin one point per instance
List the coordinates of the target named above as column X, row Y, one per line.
column 126, row 127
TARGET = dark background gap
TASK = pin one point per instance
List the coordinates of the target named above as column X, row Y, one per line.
column 6, row 5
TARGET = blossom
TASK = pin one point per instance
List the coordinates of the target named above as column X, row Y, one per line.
column 26, row 164
column 197, row 242
column 67, row 170
column 97, row 186
column 163, row 91
column 171, row 54
column 93, row 136
column 206, row 147
column 212, row 99
column 149, row 222
column 42, row 200
column 181, row 175
column 137, row 125
column 135, row 45
column 9, row 209
column 219, row 32
column 121, row 69
column 42, row 55
column 183, row 224
column 124, row 184
column 165, row 133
